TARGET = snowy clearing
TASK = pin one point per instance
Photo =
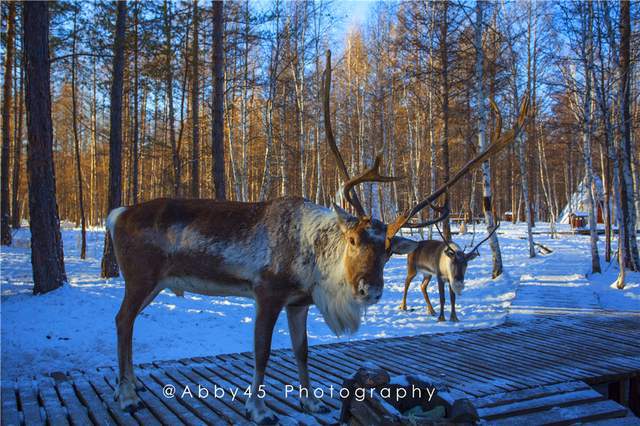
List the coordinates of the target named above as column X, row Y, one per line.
column 73, row 327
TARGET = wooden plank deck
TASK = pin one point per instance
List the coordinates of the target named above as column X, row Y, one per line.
column 480, row 363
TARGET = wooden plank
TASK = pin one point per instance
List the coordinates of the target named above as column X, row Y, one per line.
column 78, row 413
column 611, row 339
column 459, row 360
column 9, row 415
column 522, row 370
column 538, row 404
column 567, row 415
column 231, row 410
column 536, row 392
column 90, row 399
column 105, row 393
column 538, row 343
column 201, row 407
column 56, row 414
column 142, row 414
column 156, row 405
column 273, row 399
column 29, row 403
column 510, row 350
column 455, row 377
column 287, row 377
column 595, row 340
column 172, row 404
column 596, row 361
column 554, row 362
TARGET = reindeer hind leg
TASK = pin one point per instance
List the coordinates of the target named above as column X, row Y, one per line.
column 423, row 288
column 411, row 273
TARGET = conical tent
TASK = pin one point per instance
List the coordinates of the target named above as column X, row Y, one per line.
column 579, row 202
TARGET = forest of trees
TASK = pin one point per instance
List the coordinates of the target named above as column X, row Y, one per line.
column 224, row 100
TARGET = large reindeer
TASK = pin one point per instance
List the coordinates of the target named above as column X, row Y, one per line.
column 285, row 253
column 448, row 262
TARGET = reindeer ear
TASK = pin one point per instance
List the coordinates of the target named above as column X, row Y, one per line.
column 400, row 245
column 345, row 220
column 472, row 255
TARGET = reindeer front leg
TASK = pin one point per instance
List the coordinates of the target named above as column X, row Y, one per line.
column 453, row 316
column 266, row 316
column 297, row 317
column 441, row 291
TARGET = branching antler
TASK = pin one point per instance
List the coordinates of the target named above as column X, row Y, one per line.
column 496, row 146
column 493, row 231
column 370, row 175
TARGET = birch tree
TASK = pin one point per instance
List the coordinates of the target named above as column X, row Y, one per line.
column 482, row 143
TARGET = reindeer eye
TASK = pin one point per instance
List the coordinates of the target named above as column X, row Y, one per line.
column 352, row 241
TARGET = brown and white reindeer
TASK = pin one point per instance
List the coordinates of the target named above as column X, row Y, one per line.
column 287, row 253
column 448, row 263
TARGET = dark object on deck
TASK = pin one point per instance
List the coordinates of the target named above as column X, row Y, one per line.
column 402, row 400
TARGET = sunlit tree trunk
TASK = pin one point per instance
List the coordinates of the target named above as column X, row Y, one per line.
column 76, row 137
column 482, row 128
column 195, row 105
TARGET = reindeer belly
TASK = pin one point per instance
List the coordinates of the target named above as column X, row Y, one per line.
column 208, row 287
column 208, row 274
column 426, row 271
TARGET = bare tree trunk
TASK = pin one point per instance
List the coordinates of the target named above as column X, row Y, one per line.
column 5, row 230
column 17, row 154
column 482, row 128
column 587, row 129
column 109, row 264
column 521, row 147
column 195, row 106
column 217, row 143
column 274, row 59
column 632, row 259
column 76, row 136
column 244, row 114
column 136, row 113
column 47, row 255
column 444, row 88
column 168, row 52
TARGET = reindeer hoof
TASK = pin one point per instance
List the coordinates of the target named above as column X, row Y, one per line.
column 267, row 419
column 258, row 413
column 139, row 386
column 431, row 312
column 454, row 318
column 441, row 318
column 126, row 395
column 403, row 307
column 313, row 405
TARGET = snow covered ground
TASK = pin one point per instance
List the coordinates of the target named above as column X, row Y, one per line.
column 73, row 327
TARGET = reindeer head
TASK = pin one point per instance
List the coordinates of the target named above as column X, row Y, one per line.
column 457, row 259
column 367, row 245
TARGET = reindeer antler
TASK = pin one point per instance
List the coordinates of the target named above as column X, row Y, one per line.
column 493, row 231
column 496, row 146
column 369, row 175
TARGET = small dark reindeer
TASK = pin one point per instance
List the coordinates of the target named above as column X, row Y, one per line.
column 448, row 262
